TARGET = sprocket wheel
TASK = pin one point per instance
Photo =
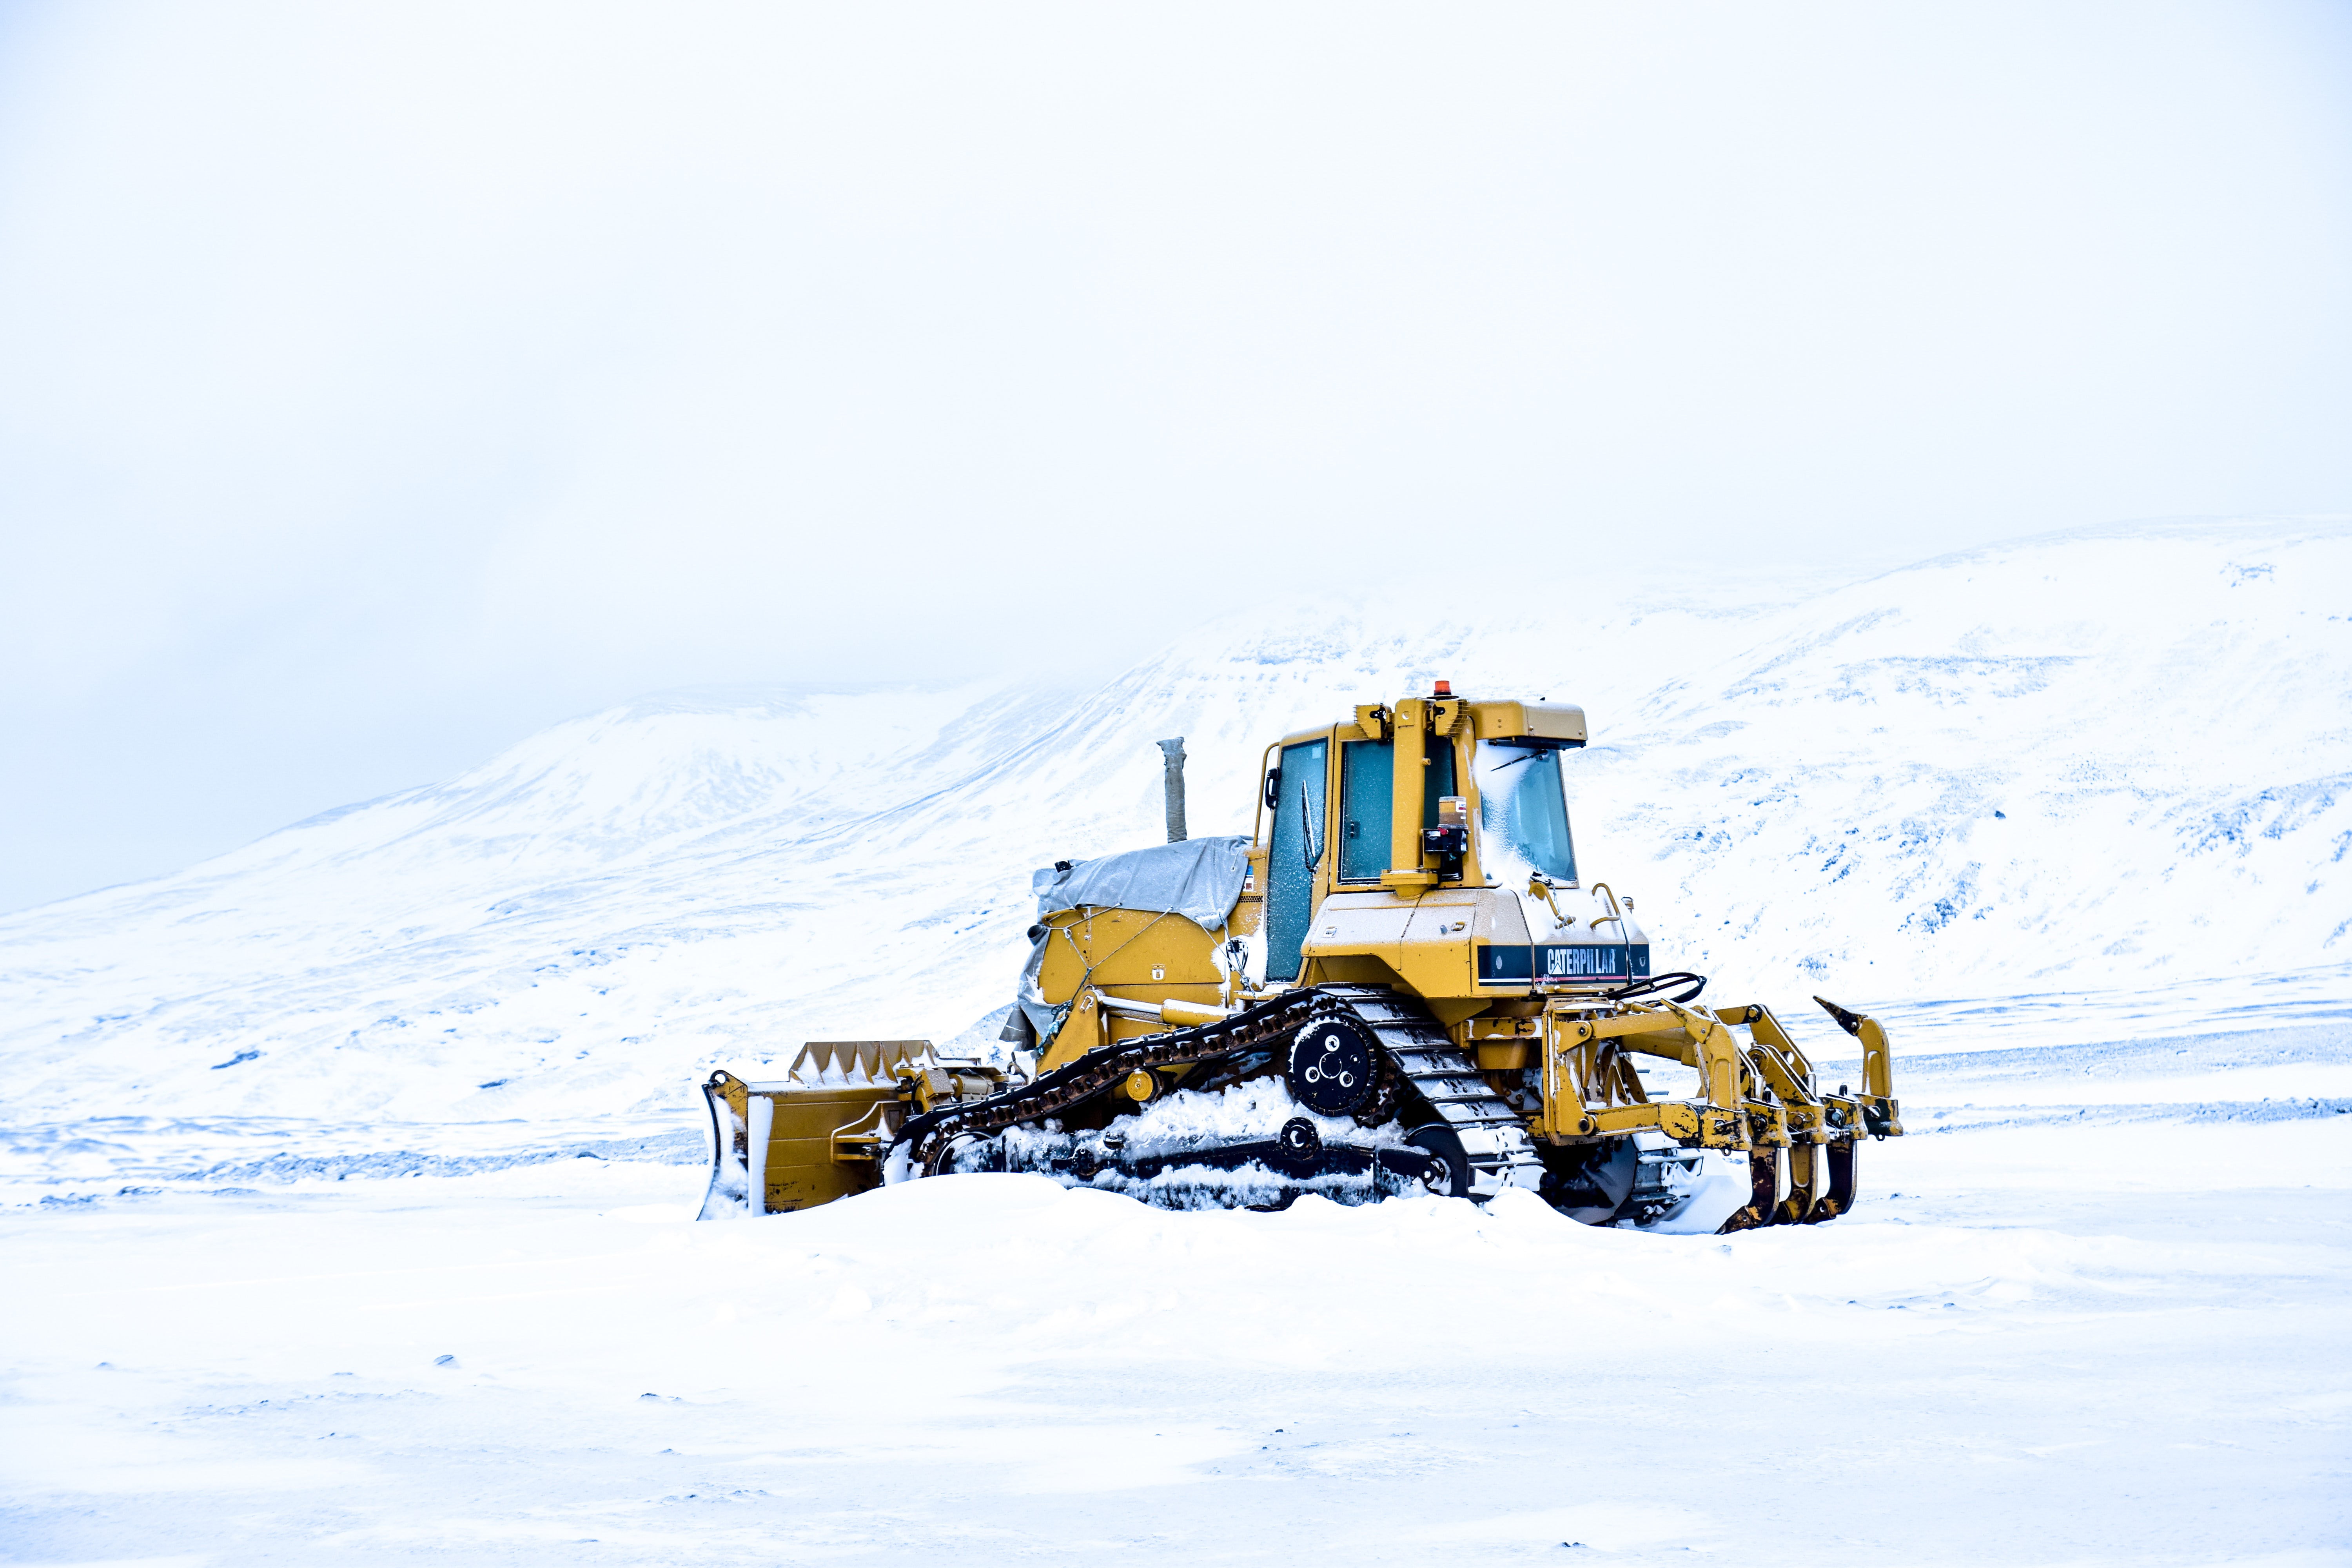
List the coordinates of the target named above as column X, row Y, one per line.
column 1331, row 1070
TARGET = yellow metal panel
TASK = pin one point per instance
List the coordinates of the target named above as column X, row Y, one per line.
column 1137, row 953
column 1250, row 911
column 1082, row 1030
column 1140, row 955
column 1529, row 720
column 1681, row 1123
column 800, row 1169
column 1408, row 754
column 1877, row 1070
column 1429, row 940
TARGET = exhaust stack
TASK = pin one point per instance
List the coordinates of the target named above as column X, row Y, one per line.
column 1174, row 751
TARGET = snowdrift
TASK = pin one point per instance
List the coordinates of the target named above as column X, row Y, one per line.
column 2095, row 781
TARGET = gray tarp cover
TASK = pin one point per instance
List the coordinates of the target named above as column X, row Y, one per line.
column 1200, row 878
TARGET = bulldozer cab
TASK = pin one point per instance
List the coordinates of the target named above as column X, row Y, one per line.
column 1422, row 795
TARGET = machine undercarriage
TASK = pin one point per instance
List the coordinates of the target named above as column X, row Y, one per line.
column 1353, row 1093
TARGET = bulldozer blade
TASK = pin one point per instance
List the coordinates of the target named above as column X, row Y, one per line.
column 817, row 1136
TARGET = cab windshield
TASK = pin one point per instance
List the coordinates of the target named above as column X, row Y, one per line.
column 1523, row 814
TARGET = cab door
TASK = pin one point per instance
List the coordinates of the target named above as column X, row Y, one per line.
column 1296, row 851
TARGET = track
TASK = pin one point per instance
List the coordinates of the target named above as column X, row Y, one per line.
column 1492, row 1134
column 1414, row 1050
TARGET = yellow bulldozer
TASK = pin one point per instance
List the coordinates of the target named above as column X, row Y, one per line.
column 1397, row 985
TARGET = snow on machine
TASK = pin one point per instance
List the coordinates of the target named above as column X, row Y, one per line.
column 1397, row 984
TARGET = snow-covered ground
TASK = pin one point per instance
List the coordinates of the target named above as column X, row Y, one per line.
column 2117, row 1338
column 416, row 1078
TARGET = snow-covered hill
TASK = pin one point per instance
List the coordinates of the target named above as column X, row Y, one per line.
column 2096, row 781
column 2114, row 759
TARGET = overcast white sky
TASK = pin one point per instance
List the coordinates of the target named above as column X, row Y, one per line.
column 381, row 383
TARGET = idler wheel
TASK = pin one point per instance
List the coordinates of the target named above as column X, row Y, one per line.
column 1299, row 1146
column 1330, row 1070
column 1449, row 1162
column 964, row 1151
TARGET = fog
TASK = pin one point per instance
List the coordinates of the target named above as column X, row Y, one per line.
column 378, row 384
